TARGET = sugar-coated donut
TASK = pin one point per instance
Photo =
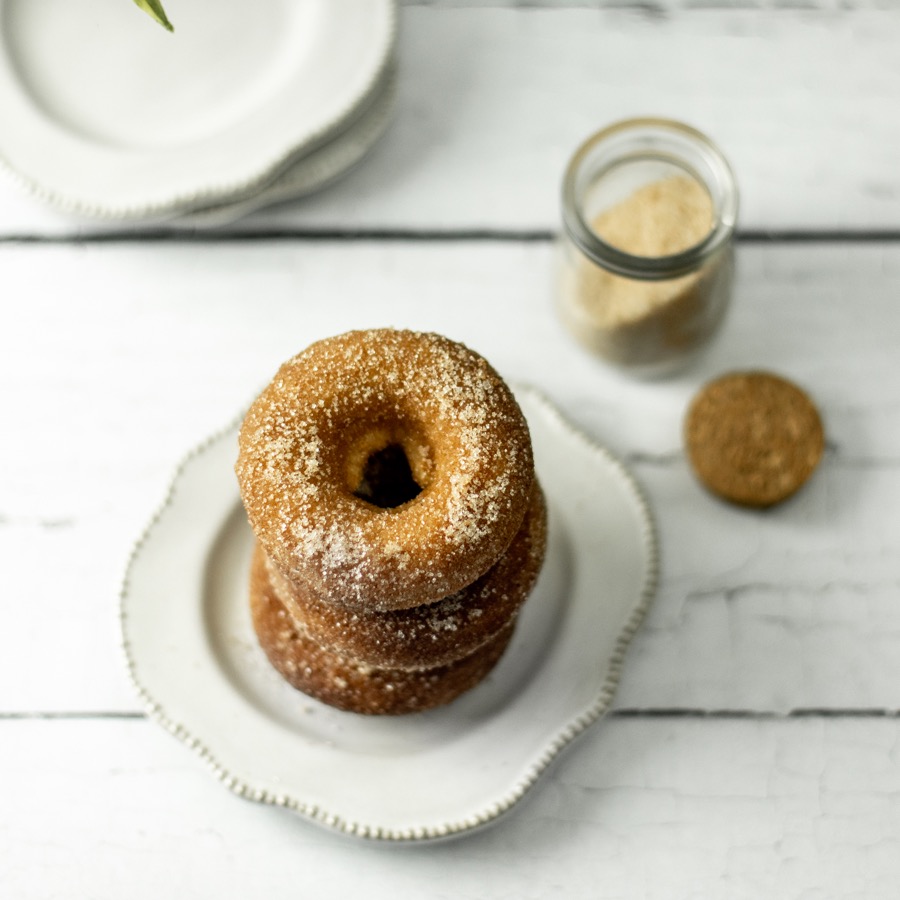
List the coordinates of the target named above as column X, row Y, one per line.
column 433, row 634
column 385, row 469
column 351, row 685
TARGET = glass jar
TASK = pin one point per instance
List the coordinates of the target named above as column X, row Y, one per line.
column 649, row 208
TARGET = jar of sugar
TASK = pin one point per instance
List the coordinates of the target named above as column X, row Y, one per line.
column 649, row 208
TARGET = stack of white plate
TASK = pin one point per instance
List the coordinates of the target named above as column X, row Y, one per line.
column 107, row 115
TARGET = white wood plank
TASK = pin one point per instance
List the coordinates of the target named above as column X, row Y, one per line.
column 493, row 101
column 662, row 810
column 116, row 359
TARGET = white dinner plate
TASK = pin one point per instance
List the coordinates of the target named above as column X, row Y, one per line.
column 194, row 659
column 311, row 172
column 107, row 114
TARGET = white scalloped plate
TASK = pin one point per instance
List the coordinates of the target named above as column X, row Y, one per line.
column 310, row 173
column 107, row 114
column 195, row 661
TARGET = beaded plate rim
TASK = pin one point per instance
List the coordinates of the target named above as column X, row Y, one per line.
column 555, row 743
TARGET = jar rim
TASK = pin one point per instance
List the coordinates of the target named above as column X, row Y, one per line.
column 649, row 136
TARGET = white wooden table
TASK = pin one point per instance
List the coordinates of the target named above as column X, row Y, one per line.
column 754, row 746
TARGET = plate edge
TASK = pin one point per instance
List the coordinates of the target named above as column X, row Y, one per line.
column 493, row 811
column 163, row 209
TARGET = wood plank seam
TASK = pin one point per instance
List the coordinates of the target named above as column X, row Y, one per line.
column 414, row 235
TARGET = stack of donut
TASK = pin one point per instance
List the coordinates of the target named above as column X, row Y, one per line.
column 388, row 477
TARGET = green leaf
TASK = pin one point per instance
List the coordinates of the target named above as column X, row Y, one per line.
column 155, row 9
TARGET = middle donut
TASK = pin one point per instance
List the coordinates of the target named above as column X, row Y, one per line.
column 434, row 634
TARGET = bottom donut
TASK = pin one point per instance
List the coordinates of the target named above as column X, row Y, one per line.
column 353, row 686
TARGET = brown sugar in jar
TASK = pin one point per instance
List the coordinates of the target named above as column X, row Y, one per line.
column 649, row 209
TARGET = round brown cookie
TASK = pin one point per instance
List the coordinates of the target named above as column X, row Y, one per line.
column 433, row 634
column 753, row 438
column 353, row 686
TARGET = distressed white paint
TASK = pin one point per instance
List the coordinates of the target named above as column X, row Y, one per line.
column 659, row 809
column 119, row 358
column 116, row 358
column 492, row 102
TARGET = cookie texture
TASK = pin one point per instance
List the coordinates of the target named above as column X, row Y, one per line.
column 753, row 438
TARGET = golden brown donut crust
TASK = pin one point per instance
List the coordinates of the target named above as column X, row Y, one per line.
column 433, row 634
column 353, row 686
column 305, row 440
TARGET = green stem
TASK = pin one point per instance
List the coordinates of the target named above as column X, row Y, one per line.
column 155, row 9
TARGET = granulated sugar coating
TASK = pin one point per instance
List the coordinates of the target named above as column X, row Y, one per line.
column 433, row 634
column 306, row 442
column 353, row 685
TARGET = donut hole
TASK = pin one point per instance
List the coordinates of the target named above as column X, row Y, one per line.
column 387, row 478
column 388, row 463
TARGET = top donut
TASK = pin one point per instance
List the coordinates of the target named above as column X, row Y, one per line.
column 384, row 468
